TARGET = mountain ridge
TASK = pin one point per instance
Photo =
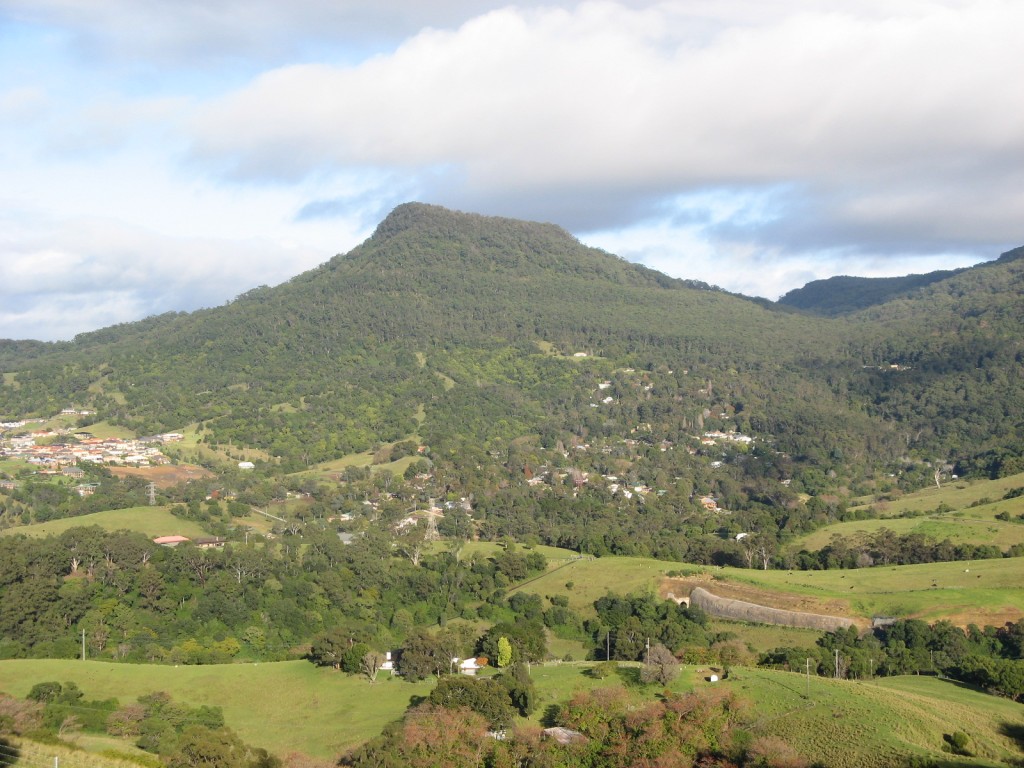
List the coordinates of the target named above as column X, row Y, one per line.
column 474, row 322
column 845, row 294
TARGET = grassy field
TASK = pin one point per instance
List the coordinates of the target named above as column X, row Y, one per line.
column 152, row 521
column 321, row 712
column 848, row 724
column 966, row 524
column 958, row 494
column 106, row 431
column 763, row 637
column 489, row 548
column 975, row 525
column 13, row 466
column 283, row 707
column 980, row 591
column 328, row 469
column 88, row 751
column 592, row 578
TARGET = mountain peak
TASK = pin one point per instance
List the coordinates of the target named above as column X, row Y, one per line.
column 434, row 219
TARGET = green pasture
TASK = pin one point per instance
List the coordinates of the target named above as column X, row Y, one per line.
column 960, row 590
column 84, row 751
column 283, row 707
column 957, row 494
column 979, row 591
column 592, row 578
column 152, row 521
column 764, row 637
column 877, row 723
column 490, row 548
column 13, row 466
column 970, row 525
column 363, row 459
column 189, row 448
column 296, row 707
column 105, row 431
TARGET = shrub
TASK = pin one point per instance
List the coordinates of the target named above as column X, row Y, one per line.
column 958, row 743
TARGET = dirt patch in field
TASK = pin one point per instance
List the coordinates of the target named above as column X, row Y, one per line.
column 681, row 587
column 165, row 476
column 982, row 617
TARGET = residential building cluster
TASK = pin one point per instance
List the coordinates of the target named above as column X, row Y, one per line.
column 54, row 449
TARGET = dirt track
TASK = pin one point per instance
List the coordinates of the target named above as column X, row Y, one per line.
column 165, row 476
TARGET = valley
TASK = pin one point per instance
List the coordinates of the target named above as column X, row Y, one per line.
column 475, row 439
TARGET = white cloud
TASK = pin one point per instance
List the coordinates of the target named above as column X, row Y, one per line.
column 117, row 273
column 22, row 104
column 859, row 109
column 191, row 33
column 174, row 153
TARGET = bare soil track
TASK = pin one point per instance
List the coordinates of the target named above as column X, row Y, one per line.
column 165, row 476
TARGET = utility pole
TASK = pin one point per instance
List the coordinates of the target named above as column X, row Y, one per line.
column 647, row 655
column 608, row 645
column 83, row 644
column 152, row 494
column 807, row 664
column 837, row 663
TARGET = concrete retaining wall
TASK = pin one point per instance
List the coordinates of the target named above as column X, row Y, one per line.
column 739, row 610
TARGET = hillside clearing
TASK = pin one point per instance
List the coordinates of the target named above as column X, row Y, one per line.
column 152, row 521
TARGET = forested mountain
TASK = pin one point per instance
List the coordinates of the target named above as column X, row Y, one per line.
column 471, row 331
column 843, row 295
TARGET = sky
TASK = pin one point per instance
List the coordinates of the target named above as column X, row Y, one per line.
column 166, row 155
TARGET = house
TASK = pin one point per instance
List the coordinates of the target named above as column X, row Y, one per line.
column 74, row 472
column 170, row 541
column 214, row 542
column 469, row 666
column 246, row 465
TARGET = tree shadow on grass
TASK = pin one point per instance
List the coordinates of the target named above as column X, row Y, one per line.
column 1014, row 731
column 630, row 676
column 550, row 717
column 9, row 753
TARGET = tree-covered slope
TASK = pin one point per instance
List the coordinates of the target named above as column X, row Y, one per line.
column 947, row 365
column 343, row 355
column 466, row 329
column 844, row 295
